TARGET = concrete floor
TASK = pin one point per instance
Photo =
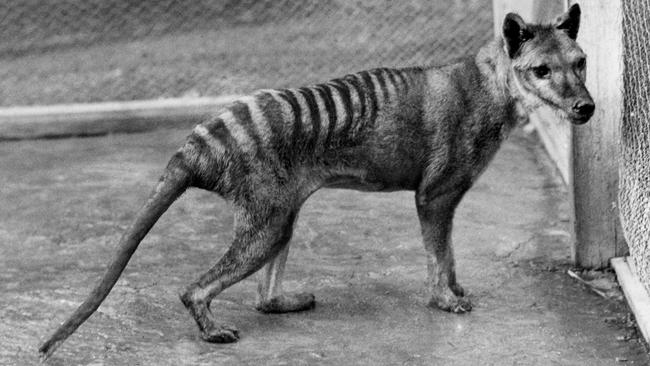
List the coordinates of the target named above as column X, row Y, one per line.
column 66, row 202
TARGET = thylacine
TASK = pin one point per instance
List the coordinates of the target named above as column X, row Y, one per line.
column 429, row 130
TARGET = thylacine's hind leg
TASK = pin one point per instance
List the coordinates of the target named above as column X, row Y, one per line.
column 271, row 298
column 259, row 237
column 436, row 213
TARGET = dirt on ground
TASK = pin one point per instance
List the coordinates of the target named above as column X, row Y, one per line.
column 66, row 202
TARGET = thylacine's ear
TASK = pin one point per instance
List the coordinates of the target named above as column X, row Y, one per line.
column 515, row 33
column 570, row 21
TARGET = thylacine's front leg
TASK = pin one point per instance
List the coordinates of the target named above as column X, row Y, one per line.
column 436, row 214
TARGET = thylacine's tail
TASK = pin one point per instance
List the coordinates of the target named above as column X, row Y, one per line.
column 176, row 179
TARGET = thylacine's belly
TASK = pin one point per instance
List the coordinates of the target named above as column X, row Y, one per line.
column 374, row 179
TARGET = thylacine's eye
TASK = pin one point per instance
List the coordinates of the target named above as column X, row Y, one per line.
column 581, row 63
column 542, row 71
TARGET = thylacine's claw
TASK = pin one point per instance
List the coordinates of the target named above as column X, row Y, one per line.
column 462, row 306
column 221, row 334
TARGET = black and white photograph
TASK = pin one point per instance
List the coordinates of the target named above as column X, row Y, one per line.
column 325, row 182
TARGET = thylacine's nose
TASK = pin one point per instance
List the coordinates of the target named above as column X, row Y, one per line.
column 584, row 108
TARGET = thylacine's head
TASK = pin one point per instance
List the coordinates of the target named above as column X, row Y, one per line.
column 547, row 67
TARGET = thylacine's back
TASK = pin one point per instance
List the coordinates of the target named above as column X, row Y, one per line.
column 332, row 128
column 430, row 130
column 373, row 130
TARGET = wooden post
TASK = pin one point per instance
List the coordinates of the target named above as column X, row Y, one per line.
column 598, row 233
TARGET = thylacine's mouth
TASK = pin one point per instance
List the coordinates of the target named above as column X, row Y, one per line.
column 579, row 119
column 574, row 118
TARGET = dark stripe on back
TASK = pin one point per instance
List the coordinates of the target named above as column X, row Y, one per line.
column 272, row 111
column 200, row 146
column 372, row 96
column 288, row 95
column 238, row 165
column 326, row 93
column 393, row 80
column 379, row 74
column 314, row 115
column 356, row 84
column 217, row 130
column 342, row 89
column 242, row 115
column 405, row 83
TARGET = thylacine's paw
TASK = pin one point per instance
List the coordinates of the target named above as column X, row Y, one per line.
column 286, row 303
column 210, row 330
column 220, row 334
column 448, row 301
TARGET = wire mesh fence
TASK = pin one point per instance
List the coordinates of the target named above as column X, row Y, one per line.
column 63, row 51
column 634, row 186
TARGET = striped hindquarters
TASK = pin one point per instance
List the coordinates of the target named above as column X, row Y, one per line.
column 281, row 128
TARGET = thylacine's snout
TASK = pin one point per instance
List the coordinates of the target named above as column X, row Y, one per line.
column 582, row 110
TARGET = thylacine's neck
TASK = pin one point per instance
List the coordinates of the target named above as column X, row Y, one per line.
column 495, row 67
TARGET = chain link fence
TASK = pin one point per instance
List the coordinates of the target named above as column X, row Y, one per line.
column 634, row 186
column 76, row 51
